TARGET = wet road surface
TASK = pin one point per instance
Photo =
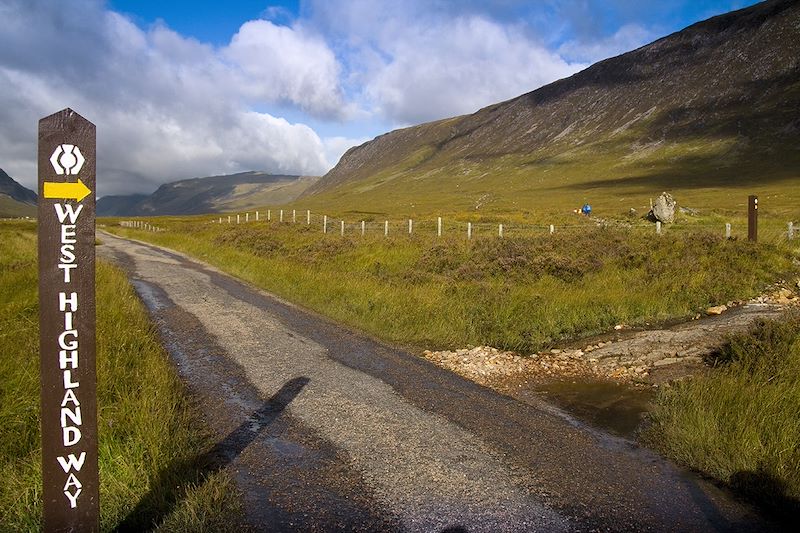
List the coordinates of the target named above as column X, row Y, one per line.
column 326, row 429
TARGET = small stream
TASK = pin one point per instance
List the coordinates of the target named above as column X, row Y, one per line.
column 616, row 408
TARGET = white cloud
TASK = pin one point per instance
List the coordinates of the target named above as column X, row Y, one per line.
column 165, row 106
column 458, row 66
column 277, row 63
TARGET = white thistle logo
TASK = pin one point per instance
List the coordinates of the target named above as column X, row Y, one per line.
column 67, row 159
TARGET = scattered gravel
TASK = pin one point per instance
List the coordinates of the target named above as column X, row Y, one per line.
column 638, row 357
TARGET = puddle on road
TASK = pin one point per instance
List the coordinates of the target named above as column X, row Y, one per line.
column 614, row 407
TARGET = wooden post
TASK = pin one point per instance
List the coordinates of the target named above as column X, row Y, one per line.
column 229, row 219
column 269, row 215
column 363, row 228
column 728, row 230
column 658, row 227
column 67, row 336
column 247, row 217
column 220, row 220
column 281, row 216
column 552, row 229
column 469, row 230
column 385, row 228
column 325, row 224
column 342, row 228
column 256, row 216
column 791, row 230
column 500, row 231
column 294, row 216
column 439, row 227
column 752, row 218
column 237, row 218
column 308, row 217
column 410, row 225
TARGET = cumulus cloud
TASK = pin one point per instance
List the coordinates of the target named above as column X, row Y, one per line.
column 459, row 66
column 417, row 61
column 166, row 106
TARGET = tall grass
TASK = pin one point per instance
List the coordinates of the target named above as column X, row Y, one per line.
column 740, row 423
column 521, row 292
column 146, row 425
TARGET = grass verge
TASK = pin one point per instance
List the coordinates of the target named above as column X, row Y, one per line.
column 149, row 439
column 739, row 424
column 522, row 293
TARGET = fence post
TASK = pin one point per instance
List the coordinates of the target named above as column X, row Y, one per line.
column 728, row 230
column 500, row 231
column 269, row 215
column 385, row 228
column 791, row 230
column 247, row 217
column 410, row 225
column 220, row 220
column 294, row 216
column 308, row 217
column 752, row 218
column 363, row 228
column 469, row 230
column 342, row 228
column 281, row 216
column 256, row 216
column 439, row 227
column 552, row 229
column 229, row 219
column 325, row 224
column 237, row 218
column 658, row 227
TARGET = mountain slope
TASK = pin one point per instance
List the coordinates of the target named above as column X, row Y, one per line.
column 208, row 195
column 713, row 107
column 15, row 200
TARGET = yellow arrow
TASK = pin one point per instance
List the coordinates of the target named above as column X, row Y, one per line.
column 71, row 191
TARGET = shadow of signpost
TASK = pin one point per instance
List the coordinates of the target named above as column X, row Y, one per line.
column 173, row 481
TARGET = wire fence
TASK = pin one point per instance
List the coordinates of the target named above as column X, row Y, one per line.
column 770, row 230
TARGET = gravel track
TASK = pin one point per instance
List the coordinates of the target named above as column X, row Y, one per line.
column 327, row 429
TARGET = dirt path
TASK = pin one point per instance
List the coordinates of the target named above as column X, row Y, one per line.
column 325, row 429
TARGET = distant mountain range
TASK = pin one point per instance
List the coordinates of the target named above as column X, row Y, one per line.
column 15, row 200
column 213, row 194
column 709, row 108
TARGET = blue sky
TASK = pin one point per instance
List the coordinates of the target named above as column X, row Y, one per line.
column 180, row 89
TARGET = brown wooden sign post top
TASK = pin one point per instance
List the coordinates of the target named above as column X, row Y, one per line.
column 66, row 229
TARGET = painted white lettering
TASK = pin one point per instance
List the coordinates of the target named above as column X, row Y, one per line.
column 68, row 383
column 72, row 481
column 68, row 357
column 66, row 269
column 68, row 320
column 67, row 253
column 64, row 210
column 71, row 345
column 72, row 301
column 73, row 415
column 73, row 498
column 72, row 462
column 70, row 397
column 68, row 234
column 71, row 435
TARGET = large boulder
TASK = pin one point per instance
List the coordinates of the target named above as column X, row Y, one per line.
column 664, row 209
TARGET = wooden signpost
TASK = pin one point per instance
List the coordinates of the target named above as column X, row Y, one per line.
column 67, row 322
